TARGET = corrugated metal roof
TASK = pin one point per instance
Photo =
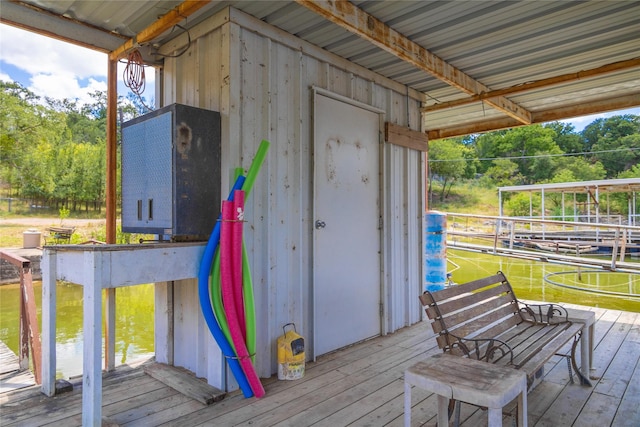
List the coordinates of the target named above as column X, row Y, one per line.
column 500, row 44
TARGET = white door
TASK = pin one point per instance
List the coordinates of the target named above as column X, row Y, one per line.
column 346, row 258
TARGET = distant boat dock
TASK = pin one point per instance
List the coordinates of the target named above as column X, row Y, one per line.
column 609, row 247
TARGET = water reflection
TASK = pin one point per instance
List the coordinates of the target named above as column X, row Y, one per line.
column 134, row 323
column 527, row 279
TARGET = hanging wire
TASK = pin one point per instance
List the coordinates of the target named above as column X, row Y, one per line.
column 184, row 49
column 133, row 75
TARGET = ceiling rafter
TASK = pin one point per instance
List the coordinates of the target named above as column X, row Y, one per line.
column 365, row 25
column 599, row 106
column 537, row 84
column 162, row 24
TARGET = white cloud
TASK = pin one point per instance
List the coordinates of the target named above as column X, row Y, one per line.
column 57, row 69
column 65, row 85
column 581, row 122
column 38, row 55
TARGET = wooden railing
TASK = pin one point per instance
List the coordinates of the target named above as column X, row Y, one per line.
column 29, row 330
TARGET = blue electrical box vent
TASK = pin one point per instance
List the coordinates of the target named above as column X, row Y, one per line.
column 171, row 172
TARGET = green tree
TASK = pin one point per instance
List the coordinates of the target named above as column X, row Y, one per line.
column 519, row 145
column 566, row 137
column 523, row 204
column 580, row 170
column 54, row 152
column 618, row 154
column 504, row 172
column 446, row 163
column 611, row 128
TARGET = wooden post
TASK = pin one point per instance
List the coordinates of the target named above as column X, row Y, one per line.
column 33, row 331
column 92, row 333
column 110, row 330
column 49, row 274
column 23, row 354
column 164, row 322
column 112, row 114
column 29, row 333
column 112, row 106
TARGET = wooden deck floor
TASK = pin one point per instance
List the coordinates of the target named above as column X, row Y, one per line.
column 361, row 386
column 11, row 376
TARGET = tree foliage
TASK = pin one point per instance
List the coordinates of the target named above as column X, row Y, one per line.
column 447, row 164
column 52, row 152
column 553, row 152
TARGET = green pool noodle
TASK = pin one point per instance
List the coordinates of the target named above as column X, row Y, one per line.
column 249, row 304
column 254, row 169
column 216, row 298
column 247, row 283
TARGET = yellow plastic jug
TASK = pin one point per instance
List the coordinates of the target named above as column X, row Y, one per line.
column 290, row 354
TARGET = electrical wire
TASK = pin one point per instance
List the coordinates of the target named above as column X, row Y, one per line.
column 486, row 159
column 133, row 75
column 184, row 49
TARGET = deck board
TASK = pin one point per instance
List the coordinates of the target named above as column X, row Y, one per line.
column 11, row 376
column 361, row 385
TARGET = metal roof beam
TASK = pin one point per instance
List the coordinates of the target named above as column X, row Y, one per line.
column 537, row 84
column 593, row 107
column 365, row 25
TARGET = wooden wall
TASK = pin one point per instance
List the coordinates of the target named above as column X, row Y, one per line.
column 261, row 81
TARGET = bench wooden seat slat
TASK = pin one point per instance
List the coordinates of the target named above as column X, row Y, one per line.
column 541, row 355
column 484, row 320
column 466, row 301
column 499, row 329
column 481, row 321
column 531, row 341
column 457, row 290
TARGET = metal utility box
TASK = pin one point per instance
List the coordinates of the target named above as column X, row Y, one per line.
column 171, row 172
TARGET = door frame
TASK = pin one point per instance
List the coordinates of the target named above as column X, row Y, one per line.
column 315, row 91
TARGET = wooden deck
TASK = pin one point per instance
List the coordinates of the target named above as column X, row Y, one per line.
column 361, row 385
column 11, row 376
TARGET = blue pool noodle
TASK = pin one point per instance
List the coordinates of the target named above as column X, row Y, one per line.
column 205, row 302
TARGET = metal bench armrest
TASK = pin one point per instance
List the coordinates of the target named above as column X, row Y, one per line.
column 486, row 349
column 548, row 314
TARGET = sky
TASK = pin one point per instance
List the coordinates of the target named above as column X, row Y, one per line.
column 60, row 70
column 49, row 67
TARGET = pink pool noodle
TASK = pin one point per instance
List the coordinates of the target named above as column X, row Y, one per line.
column 236, row 259
column 228, row 300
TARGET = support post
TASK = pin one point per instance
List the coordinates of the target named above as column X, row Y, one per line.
column 92, row 345
column 49, row 274
column 112, row 114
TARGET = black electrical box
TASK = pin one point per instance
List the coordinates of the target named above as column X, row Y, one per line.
column 171, row 172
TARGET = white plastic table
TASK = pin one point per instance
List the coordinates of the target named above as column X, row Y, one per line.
column 467, row 380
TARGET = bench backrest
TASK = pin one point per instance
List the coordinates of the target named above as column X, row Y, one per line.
column 482, row 308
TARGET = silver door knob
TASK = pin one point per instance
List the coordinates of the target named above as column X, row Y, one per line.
column 320, row 224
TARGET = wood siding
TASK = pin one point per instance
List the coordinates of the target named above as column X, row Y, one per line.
column 261, row 80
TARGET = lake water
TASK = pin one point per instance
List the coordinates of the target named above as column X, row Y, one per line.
column 134, row 323
column 528, row 280
column 135, row 305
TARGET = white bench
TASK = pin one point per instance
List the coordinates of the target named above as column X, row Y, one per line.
column 467, row 380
